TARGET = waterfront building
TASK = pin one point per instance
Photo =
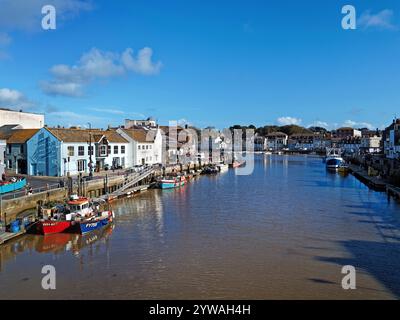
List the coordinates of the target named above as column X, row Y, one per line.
column 2, row 157
column 181, row 145
column 370, row 144
column 260, row 143
column 70, row 151
column 16, row 154
column 276, row 140
column 350, row 145
column 132, row 124
column 347, row 132
column 322, row 141
column 302, row 141
column 26, row 120
column 391, row 140
column 144, row 145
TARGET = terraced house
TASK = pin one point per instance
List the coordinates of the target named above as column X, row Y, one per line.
column 70, row 151
column 16, row 153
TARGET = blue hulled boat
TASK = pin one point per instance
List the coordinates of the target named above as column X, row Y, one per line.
column 93, row 223
column 172, row 182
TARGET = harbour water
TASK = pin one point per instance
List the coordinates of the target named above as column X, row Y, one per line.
column 284, row 232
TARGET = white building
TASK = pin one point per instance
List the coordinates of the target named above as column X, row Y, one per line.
column 134, row 124
column 61, row 152
column 25, row 119
column 391, row 140
column 276, row 140
column 370, row 144
column 145, row 146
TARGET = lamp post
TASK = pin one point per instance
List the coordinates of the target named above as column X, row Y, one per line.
column 90, row 152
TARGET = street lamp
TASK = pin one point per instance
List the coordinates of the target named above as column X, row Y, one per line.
column 90, row 151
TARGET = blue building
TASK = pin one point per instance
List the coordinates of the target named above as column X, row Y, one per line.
column 44, row 156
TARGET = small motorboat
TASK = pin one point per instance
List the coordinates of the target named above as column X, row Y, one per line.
column 343, row 168
column 237, row 163
column 210, row 170
column 173, row 182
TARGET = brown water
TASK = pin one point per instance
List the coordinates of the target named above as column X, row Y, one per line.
column 283, row 232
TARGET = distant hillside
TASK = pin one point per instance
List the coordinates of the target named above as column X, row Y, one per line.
column 288, row 129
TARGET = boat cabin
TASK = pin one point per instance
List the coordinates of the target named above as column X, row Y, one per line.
column 80, row 206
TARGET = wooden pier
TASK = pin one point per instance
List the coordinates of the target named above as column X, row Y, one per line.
column 7, row 236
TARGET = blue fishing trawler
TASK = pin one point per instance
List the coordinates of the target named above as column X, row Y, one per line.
column 88, row 217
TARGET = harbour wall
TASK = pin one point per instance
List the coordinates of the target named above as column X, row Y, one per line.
column 11, row 208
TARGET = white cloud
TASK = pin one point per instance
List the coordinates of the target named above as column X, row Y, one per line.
column 382, row 19
column 108, row 110
column 13, row 99
column 283, row 121
column 319, row 124
column 26, row 15
column 355, row 124
column 96, row 64
column 142, row 64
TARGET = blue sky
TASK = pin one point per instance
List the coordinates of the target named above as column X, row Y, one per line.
column 214, row 63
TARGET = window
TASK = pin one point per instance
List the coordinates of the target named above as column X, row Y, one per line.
column 115, row 149
column 103, row 150
column 71, row 151
column 81, row 151
column 123, row 149
column 147, row 147
column 109, row 149
column 138, row 148
column 9, row 149
column 150, row 147
column 90, row 150
column 81, row 165
column 21, row 148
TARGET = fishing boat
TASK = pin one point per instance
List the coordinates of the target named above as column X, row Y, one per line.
column 53, row 220
column 172, row 182
column 78, row 216
column 333, row 158
column 95, row 222
column 88, row 217
column 12, row 185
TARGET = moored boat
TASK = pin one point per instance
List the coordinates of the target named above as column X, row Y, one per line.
column 78, row 216
column 237, row 163
column 333, row 158
column 53, row 220
column 93, row 223
column 172, row 182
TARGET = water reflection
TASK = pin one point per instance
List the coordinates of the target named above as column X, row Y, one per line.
column 282, row 232
column 55, row 244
